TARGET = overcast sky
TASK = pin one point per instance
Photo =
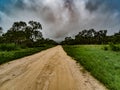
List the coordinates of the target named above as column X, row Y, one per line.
column 61, row 18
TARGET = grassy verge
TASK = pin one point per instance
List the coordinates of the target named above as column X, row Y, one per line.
column 103, row 65
column 6, row 56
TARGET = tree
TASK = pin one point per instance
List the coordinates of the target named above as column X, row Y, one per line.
column 20, row 33
column 15, row 34
column 18, row 26
column 85, row 37
column 1, row 38
column 68, row 41
column 32, row 32
column 117, row 37
column 1, row 31
column 35, row 25
column 100, row 36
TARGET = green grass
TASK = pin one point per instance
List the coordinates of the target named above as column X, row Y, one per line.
column 6, row 56
column 103, row 65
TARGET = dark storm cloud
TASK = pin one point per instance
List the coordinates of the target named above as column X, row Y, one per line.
column 94, row 5
column 61, row 18
column 106, row 5
column 20, row 4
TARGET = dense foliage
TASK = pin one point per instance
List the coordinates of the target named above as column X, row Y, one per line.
column 92, row 37
column 27, row 35
column 10, row 52
column 9, row 47
column 30, row 35
column 113, row 47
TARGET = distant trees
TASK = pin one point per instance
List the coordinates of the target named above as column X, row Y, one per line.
column 29, row 34
column 1, row 31
column 16, row 33
column 25, row 34
column 68, row 41
column 20, row 32
column 100, row 36
column 0, row 34
column 91, row 37
column 32, row 32
column 116, row 37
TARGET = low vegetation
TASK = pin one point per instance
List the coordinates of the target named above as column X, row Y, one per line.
column 9, row 47
column 9, row 53
column 103, row 62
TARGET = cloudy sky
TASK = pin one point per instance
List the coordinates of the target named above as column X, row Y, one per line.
column 61, row 18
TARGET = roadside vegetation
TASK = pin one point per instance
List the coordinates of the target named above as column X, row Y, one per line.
column 9, row 52
column 102, row 61
column 21, row 40
column 99, row 53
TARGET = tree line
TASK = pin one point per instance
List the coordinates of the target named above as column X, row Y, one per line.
column 25, row 34
column 30, row 35
column 92, row 36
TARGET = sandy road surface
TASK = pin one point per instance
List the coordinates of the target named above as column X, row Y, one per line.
column 51, row 69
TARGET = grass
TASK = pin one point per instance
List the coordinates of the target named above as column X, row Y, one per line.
column 9, row 55
column 103, row 65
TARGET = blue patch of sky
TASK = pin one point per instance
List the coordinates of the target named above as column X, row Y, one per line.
column 114, row 4
column 4, row 5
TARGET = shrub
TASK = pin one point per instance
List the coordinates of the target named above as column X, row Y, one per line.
column 9, row 47
column 114, row 47
column 6, row 56
column 105, row 48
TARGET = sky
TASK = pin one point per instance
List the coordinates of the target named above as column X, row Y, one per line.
column 61, row 18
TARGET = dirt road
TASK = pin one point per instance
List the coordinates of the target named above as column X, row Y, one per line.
column 51, row 69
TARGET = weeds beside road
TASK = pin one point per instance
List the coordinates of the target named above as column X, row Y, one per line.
column 11, row 52
column 102, row 64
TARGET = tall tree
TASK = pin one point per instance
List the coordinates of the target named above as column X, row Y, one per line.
column 32, row 32
column 18, row 26
column 21, row 32
column 15, row 33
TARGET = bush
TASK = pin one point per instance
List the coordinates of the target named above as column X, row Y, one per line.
column 6, row 56
column 114, row 47
column 105, row 48
column 9, row 47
